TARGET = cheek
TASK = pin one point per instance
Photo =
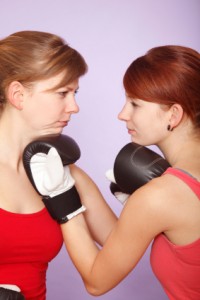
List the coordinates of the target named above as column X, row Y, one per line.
column 144, row 120
column 45, row 114
column 150, row 124
column 137, row 116
column 156, row 116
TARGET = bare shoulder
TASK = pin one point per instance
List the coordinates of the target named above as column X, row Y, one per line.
column 155, row 195
column 165, row 190
column 146, row 210
column 165, row 202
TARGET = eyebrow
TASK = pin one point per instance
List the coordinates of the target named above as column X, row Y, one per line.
column 69, row 87
column 61, row 87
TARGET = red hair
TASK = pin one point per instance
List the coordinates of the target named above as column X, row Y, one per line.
column 167, row 75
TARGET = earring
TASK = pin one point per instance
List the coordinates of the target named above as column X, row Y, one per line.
column 169, row 128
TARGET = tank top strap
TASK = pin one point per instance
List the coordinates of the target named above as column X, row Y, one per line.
column 192, row 182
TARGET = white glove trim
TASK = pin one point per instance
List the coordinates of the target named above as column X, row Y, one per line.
column 77, row 212
column 110, row 175
column 12, row 287
column 121, row 197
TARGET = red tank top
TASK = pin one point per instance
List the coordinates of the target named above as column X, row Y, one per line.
column 27, row 243
column 178, row 267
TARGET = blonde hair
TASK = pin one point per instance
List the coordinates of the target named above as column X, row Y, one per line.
column 30, row 56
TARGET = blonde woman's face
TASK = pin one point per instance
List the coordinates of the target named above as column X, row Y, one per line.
column 48, row 111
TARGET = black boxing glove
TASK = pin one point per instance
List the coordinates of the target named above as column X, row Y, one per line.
column 10, row 292
column 46, row 163
column 134, row 166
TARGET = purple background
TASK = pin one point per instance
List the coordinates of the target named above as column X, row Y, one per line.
column 109, row 34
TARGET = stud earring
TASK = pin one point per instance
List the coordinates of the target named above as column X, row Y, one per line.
column 169, row 128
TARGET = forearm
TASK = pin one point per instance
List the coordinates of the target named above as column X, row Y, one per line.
column 82, row 249
column 100, row 269
column 99, row 216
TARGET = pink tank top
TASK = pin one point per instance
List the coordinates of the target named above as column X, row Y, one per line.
column 178, row 267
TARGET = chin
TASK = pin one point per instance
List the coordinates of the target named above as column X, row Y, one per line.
column 55, row 132
column 139, row 142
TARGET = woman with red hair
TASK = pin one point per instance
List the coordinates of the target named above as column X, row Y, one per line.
column 162, row 108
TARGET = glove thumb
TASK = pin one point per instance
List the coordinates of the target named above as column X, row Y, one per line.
column 54, row 173
column 110, row 175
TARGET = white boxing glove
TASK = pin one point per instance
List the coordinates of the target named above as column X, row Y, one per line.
column 48, row 171
column 50, row 177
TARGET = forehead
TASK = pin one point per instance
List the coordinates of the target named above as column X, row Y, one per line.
column 148, row 104
column 54, row 83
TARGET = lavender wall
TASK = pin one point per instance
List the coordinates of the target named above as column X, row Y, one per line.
column 109, row 34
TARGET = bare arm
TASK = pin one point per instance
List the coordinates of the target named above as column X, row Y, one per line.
column 101, row 270
column 99, row 216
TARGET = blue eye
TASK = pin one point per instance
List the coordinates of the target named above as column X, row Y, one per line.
column 64, row 93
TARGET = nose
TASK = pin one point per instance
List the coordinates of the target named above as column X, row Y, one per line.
column 72, row 106
column 124, row 114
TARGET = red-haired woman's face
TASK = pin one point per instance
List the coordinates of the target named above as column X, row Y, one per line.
column 146, row 122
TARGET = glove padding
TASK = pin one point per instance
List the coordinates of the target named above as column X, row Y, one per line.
column 10, row 292
column 43, row 162
column 134, row 166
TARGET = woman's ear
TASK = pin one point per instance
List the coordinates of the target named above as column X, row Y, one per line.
column 176, row 115
column 15, row 94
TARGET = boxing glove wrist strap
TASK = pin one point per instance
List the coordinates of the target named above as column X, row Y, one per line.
column 64, row 206
column 6, row 293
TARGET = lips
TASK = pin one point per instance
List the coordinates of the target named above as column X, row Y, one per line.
column 63, row 123
column 131, row 131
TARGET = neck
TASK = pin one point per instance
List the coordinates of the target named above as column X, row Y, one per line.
column 13, row 139
column 181, row 149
